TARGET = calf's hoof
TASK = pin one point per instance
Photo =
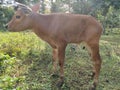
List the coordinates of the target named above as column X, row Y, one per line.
column 60, row 83
column 54, row 75
column 93, row 87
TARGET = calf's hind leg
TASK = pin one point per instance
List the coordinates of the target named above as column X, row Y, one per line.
column 94, row 48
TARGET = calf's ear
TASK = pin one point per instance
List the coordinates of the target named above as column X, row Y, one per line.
column 36, row 7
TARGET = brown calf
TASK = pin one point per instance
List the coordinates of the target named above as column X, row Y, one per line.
column 59, row 30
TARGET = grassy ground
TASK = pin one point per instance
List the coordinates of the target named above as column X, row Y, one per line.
column 26, row 63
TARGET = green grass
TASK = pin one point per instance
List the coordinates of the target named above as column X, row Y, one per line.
column 26, row 64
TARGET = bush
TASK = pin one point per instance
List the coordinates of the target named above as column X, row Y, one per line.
column 17, row 50
column 5, row 15
column 110, row 20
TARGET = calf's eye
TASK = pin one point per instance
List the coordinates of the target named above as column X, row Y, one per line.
column 18, row 17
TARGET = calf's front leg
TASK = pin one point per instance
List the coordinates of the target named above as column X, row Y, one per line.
column 61, row 57
column 55, row 58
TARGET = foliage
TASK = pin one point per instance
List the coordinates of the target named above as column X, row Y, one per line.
column 13, row 53
column 26, row 63
column 42, row 10
column 112, row 18
column 5, row 15
column 110, row 21
column 7, row 79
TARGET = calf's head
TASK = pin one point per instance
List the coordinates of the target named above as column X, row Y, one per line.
column 21, row 19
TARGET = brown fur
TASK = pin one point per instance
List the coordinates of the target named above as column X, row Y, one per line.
column 61, row 29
